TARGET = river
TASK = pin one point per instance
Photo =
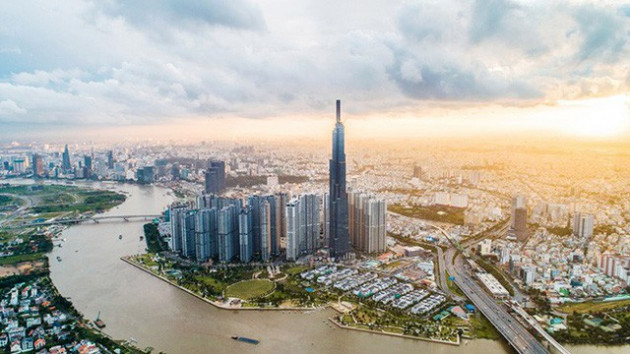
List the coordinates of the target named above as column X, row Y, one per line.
column 135, row 304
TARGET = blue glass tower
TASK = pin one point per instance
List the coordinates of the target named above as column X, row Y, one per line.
column 339, row 239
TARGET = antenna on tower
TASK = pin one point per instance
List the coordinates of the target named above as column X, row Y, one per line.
column 338, row 111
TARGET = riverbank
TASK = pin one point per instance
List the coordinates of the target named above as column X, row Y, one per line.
column 217, row 304
column 222, row 306
column 424, row 339
column 51, row 322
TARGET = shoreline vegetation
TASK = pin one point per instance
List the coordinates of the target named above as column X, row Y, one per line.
column 217, row 304
column 342, row 326
column 27, row 266
column 339, row 308
column 273, row 288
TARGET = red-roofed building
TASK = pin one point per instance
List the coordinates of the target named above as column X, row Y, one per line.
column 39, row 344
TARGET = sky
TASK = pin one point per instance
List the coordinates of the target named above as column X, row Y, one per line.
column 214, row 69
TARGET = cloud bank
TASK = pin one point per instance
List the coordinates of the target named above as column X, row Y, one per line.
column 118, row 62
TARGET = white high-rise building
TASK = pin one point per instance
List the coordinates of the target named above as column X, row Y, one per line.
column 529, row 274
column 293, row 229
column 178, row 226
column 246, row 246
column 505, row 255
column 265, row 231
column 367, row 222
column 376, row 225
column 303, row 225
column 309, row 217
column 583, row 225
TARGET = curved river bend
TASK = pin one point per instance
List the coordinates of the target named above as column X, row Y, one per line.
column 135, row 304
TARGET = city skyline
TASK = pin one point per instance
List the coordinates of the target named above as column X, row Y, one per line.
column 171, row 173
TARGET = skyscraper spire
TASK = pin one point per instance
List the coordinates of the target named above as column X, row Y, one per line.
column 66, row 160
column 338, row 111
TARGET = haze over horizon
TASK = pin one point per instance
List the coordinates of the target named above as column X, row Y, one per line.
column 209, row 69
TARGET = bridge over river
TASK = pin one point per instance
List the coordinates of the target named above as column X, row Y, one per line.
column 94, row 219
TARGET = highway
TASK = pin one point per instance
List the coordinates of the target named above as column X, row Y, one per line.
column 539, row 329
column 509, row 327
column 442, row 281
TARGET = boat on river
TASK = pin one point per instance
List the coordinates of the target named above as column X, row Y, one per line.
column 98, row 322
column 246, row 340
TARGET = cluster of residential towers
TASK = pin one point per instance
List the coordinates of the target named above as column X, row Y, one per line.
column 259, row 228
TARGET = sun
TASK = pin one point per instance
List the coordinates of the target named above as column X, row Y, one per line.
column 598, row 117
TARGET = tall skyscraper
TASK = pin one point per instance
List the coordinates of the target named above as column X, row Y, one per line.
column 276, row 211
column 266, row 215
column 245, row 235
column 188, row 242
column 110, row 159
column 293, row 229
column 67, row 167
column 254, row 202
column 38, row 165
column 367, row 222
column 302, row 223
column 177, row 214
column 228, row 233
column 376, row 226
column 583, row 225
column 215, row 177
column 282, row 200
column 309, row 223
column 87, row 166
column 264, row 224
column 519, row 217
column 87, row 161
column 205, row 226
column 339, row 241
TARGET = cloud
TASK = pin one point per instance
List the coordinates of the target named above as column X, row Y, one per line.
column 451, row 82
column 145, row 62
column 489, row 18
column 604, row 33
column 191, row 14
column 10, row 108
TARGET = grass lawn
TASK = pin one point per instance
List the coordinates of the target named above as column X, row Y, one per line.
column 249, row 289
column 217, row 285
column 483, row 328
column 591, row 306
column 396, row 330
column 148, row 260
column 21, row 258
column 295, row 270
